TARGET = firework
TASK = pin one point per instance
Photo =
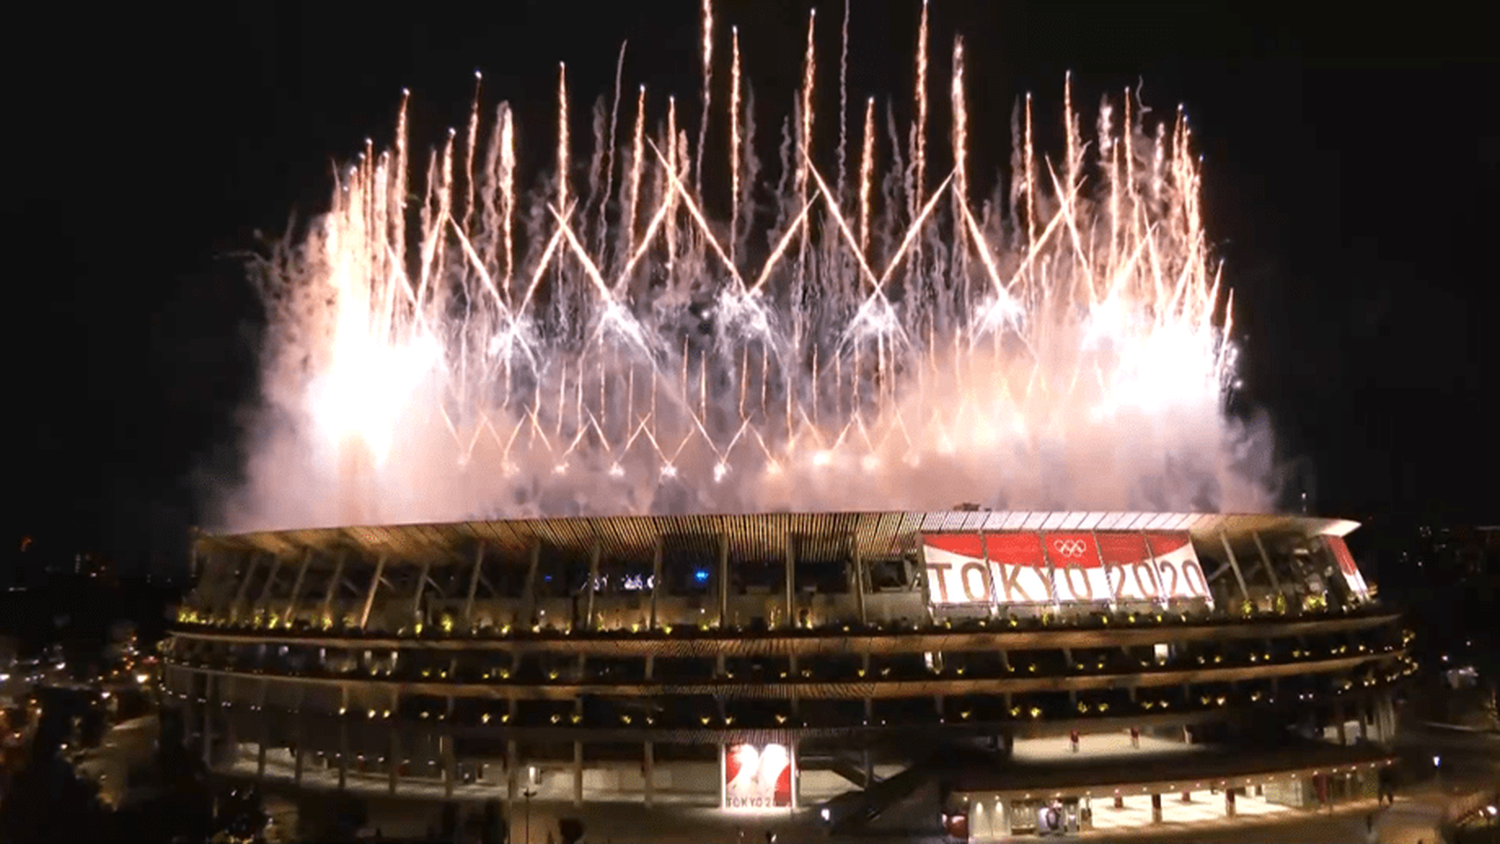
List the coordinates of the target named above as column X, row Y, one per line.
column 448, row 350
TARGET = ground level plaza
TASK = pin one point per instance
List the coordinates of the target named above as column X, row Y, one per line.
column 1053, row 790
column 1113, row 783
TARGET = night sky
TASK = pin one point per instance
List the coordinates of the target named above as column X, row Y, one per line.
column 1350, row 166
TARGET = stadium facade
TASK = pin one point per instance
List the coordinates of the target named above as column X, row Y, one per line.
column 986, row 674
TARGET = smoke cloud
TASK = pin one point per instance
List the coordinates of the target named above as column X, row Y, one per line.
column 461, row 345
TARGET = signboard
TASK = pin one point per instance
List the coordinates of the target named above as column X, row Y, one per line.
column 1177, row 566
column 1132, row 570
column 1078, row 567
column 1352, row 577
column 967, row 569
column 1025, row 567
column 757, row 777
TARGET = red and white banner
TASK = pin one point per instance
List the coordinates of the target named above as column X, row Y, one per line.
column 1177, row 566
column 1019, row 567
column 757, row 777
column 957, row 570
column 1127, row 561
column 1074, row 567
column 967, row 569
column 1347, row 566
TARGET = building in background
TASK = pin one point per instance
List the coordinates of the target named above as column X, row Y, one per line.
column 983, row 673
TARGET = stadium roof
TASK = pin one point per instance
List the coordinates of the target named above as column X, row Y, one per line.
column 751, row 537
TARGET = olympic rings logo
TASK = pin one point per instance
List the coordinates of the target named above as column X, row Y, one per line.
column 1069, row 547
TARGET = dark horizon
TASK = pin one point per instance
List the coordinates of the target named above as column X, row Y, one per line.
column 1348, row 170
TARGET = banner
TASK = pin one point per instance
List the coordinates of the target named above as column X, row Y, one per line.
column 967, row 569
column 1023, row 567
column 757, row 777
column 957, row 571
column 1177, row 566
column 1132, row 572
column 1077, row 567
column 1347, row 566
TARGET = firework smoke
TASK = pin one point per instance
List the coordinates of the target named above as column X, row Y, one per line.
column 461, row 344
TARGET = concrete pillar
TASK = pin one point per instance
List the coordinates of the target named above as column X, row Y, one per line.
column 1156, row 808
column 656, row 555
column 231, row 740
column 577, row 773
column 650, row 773
column 343, row 755
column 208, row 722
column 239, row 595
column 395, row 760
column 724, row 585
column 1234, row 565
column 260, row 761
column 1363, row 709
column 510, row 775
column 364, row 615
column 297, row 761
column 795, row 676
column 528, row 596
column 591, row 621
column 1265, row 560
column 291, row 604
column 445, row 747
column 858, row 564
column 474, row 586
column 791, row 582
column 416, row 596
column 792, row 752
column 1340, row 716
column 333, row 587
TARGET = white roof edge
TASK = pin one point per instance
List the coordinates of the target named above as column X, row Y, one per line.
column 1339, row 527
column 381, row 536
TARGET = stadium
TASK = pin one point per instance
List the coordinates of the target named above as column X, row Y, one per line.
column 967, row 673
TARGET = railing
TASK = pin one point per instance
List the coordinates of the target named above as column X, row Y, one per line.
column 190, row 622
column 1024, row 716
